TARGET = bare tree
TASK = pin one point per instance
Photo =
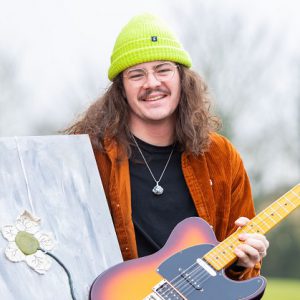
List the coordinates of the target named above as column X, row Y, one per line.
column 249, row 75
column 243, row 65
column 12, row 94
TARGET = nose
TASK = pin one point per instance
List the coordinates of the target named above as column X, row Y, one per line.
column 151, row 81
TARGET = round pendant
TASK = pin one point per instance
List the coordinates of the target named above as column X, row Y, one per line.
column 158, row 190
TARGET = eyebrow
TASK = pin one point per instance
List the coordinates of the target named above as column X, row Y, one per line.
column 141, row 68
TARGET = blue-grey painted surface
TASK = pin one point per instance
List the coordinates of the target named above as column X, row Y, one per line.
column 58, row 182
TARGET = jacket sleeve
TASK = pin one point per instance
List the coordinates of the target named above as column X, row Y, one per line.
column 241, row 206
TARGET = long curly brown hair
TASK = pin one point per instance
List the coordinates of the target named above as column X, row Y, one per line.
column 108, row 117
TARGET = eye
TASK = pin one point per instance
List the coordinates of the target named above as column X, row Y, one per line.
column 136, row 75
column 164, row 69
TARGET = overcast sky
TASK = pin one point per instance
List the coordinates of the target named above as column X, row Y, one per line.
column 58, row 44
column 61, row 50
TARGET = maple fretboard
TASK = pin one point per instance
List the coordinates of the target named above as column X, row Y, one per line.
column 222, row 255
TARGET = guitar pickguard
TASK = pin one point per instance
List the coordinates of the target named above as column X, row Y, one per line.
column 194, row 279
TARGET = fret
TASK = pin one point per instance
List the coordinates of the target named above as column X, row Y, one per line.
column 223, row 254
column 297, row 196
column 231, row 243
column 269, row 217
column 218, row 257
column 224, row 250
column 264, row 222
column 253, row 225
column 283, row 206
column 274, row 212
column 209, row 257
column 291, row 202
column 215, row 255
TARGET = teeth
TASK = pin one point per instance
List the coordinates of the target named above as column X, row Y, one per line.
column 154, row 98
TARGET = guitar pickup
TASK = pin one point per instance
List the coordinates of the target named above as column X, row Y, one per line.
column 166, row 291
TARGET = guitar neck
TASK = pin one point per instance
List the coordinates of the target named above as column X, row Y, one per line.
column 223, row 255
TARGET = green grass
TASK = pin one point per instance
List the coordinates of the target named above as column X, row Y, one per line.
column 282, row 289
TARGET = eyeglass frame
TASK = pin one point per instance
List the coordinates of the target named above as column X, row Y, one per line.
column 141, row 81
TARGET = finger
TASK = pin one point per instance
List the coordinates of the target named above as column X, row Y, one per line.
column 242, row 221
column 244, row 237
column 258, row 242
column 244, row 259
column 248, row 255
column 258, row 245
column 250, row 251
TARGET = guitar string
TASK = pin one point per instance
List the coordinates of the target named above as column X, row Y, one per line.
column 184, row 288
column 192, row 274
column 260, row 222
column 190, row 289
column 180, row 278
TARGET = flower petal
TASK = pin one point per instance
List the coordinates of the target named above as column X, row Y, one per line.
column 9, row 232
column 13, row 253
column 39, row 262
column 27, row 222
column 46, row 240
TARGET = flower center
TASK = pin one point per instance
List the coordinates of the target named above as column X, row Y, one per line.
column 27, row 243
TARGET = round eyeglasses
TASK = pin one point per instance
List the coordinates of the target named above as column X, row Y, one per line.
column 162, row 72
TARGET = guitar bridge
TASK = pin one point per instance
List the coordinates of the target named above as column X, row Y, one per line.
column 152, row 296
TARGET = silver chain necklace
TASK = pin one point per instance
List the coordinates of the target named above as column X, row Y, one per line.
column 158, row 189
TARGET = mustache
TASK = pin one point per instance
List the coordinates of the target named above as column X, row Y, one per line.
column 150, row 91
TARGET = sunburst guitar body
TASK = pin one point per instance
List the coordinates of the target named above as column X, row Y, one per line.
column 191, row 265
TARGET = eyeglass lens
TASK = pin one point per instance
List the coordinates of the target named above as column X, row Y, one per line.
column 162, row 72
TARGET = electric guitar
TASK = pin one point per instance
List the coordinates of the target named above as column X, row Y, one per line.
column 191, row 264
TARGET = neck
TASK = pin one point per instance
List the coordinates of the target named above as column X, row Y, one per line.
column 158, row 134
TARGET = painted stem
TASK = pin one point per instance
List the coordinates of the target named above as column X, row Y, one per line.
column 66, row 270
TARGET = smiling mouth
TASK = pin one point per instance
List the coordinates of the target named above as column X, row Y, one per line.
column 152, row 95
column 154, row 98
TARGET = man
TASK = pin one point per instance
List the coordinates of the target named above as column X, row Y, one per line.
column 158, row 155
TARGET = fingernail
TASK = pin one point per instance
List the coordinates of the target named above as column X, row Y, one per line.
column 237, row 251
column 242, row 236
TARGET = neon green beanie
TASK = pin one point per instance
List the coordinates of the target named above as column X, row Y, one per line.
column 145, row 38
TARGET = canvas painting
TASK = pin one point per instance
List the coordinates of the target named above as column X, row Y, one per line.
column 56, row 234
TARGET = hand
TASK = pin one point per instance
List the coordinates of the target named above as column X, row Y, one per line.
column 253, row 248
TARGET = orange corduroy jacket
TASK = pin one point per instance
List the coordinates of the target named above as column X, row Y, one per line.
column 217, row 181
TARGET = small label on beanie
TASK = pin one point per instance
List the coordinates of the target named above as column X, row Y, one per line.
column 154, row 38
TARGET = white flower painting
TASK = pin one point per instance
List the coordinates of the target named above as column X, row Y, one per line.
column 26, row 243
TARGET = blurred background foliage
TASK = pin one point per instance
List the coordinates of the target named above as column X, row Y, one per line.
column 246, row 66
column 251, row 67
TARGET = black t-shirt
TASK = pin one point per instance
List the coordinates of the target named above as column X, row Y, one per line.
column 155, row 216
